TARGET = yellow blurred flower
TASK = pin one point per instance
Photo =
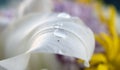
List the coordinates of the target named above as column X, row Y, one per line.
column 110, row 59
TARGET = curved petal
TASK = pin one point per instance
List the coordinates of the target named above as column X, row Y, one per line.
column 49, row 34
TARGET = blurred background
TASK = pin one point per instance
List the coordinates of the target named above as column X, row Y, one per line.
column 102, row 16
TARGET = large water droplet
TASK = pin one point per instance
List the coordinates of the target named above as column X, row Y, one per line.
column 64, row 15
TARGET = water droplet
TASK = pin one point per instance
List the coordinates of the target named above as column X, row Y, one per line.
column 64, row 15
column 58, row 25
column 59, row 33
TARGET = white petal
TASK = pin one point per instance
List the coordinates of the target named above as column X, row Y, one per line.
column 48, row 34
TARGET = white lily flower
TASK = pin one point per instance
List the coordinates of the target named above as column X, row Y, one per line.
column 24, row 42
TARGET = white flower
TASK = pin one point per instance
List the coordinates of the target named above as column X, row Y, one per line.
column 24, row 42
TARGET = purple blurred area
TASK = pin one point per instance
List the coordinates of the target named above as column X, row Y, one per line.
column 84, row 12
